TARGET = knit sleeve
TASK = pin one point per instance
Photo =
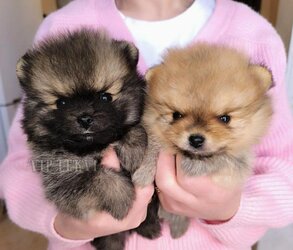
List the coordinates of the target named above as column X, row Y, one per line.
column 267, row 199
column 21, row 187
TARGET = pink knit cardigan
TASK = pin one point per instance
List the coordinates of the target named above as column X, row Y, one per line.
column 267, row 200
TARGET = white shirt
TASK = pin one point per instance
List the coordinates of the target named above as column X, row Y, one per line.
column 154, row 37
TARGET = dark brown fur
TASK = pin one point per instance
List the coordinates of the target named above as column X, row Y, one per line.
column 83, row 94
column 203, row 83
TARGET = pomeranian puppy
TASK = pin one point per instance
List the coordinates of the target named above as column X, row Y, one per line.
column 83, row 94
column 209, row 105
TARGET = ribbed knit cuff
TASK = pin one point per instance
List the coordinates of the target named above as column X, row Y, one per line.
column 59, row 241
column 236, row 220
column 265, row 203
column 240, row 231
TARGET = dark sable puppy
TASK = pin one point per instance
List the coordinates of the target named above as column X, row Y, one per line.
column 82, row 94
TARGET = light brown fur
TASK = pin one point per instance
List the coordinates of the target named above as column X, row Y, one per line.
column 204, row 82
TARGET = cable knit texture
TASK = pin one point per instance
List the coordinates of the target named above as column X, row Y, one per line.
column 267, row 199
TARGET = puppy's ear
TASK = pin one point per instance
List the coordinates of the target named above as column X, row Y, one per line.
column 22, row 67
column 263, row 76
column 150, row 74
column 130, row 50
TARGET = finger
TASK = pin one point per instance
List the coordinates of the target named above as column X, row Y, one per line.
column 166, row 179
column 110, row 159
column 143, row 195
column 192, row 184
column 196, row 185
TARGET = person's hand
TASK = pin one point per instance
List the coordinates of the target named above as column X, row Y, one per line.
column 195, row 197
column 102, row 223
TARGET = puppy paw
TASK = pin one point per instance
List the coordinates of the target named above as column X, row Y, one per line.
column 119, row 198
column 110, row 242
column 150, row 231
column 151, row 227
column 142, row 178
column 178, row 226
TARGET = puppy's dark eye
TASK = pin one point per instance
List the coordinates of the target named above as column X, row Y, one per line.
column 177, row 115
column 224, row 119
column 61, row 103
column 105, row 97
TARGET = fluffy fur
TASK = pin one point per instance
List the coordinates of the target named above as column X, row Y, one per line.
column 83, row 94
column 208, row 104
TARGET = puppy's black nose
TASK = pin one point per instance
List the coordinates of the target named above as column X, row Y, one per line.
column 196, row 141
column 85, row 121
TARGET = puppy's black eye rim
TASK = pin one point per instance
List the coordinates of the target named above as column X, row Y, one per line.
column 177, row 115
column 61, row 102
column 105, row 97
column 224, row 118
